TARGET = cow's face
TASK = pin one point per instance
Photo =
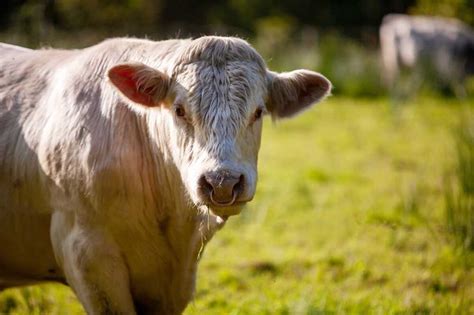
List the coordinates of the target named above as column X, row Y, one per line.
column 213, row 115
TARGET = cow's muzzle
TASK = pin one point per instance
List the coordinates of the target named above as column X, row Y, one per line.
column 221, row 188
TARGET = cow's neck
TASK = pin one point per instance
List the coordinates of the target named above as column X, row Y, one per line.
column 182, row 228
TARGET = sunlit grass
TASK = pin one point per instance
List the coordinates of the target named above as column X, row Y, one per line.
column 348, row 218
column 460, row 188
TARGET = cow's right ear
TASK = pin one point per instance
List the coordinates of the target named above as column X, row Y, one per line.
column 292, row 92
column 140, row 83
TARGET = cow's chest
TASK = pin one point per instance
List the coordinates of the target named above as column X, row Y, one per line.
column 163, row 262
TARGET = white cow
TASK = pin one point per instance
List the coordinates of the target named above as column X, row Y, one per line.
column 439, row 47
column 118, row 162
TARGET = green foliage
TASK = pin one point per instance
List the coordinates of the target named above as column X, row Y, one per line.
column 353, row 69
column 112, row 14
column 348, row 219
column 166, row 17
column 461, row 9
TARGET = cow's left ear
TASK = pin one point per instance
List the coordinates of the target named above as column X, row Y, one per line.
column 140, row 83
column 292, row 92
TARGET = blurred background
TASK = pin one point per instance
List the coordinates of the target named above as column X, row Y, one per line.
column 338, row 38
column 365, row 203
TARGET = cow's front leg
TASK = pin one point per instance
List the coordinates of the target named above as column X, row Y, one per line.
column 93, row 267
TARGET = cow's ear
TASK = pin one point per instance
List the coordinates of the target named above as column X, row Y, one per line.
column 140, row 83
column 292, row 92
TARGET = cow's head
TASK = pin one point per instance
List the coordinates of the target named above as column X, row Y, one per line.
column 212, row 103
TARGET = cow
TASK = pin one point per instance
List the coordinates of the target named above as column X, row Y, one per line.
column 439, row 48
column 119, row 162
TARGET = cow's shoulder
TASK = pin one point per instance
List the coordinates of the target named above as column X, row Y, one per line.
column 9, row 48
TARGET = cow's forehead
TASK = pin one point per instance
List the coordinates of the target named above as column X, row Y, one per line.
column 219, row 65
column 227, row 90
column 224, row 79
column 218, row 51
column 221, row 99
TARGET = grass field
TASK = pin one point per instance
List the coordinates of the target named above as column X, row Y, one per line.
column 348, row 219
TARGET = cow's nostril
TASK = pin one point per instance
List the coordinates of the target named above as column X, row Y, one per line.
column 205, row 185
column 239, row 186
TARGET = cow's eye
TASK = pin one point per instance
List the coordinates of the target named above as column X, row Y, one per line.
column 258, row 114
column 179, row 110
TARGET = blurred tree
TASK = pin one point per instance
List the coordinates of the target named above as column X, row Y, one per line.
column 30, row 19
column 9, row 7
column 461, row 9
column 351, row 16
column 187, row 17
column 128, row 15
column 171, row 16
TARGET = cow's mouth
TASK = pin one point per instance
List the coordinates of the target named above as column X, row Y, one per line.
column 225, row 211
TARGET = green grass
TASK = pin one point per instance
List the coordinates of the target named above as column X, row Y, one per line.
column 348, row 218
column 460, row 189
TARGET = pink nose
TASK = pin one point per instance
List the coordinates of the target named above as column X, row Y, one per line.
column 222, row 187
